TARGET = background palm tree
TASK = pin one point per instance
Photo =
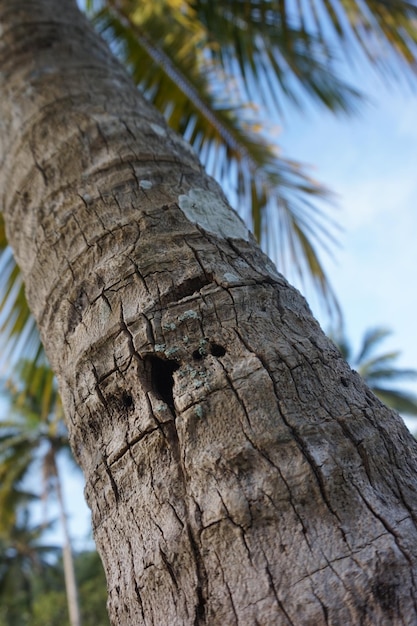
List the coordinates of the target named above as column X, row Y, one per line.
column 49, row 607
column 32, row 585
column 34, row 432
column 379, row 370
column 25, row 567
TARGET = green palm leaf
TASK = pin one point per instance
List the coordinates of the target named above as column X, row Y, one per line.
column 403, row 402
column 379, row 369
column 16, row 501
column 371, row 339
column 18, row 331
column 278, row 58
column 32, row 430
column 386, row 373
column 24, row 564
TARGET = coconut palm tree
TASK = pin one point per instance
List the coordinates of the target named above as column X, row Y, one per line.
column 380, row 370
column 25, row 565
column 237, row 470
column 218, row 71
column 34, row 432
column 32, row 572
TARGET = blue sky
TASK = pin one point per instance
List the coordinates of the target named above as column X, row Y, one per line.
column 370, row 162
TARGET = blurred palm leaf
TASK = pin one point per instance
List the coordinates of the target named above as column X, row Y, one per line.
column 18, row 331
column 33, row 430
column 25, row 565
column 380, row 370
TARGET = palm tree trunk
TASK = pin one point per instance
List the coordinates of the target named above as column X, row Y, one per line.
column 67, row 556
column 237, row 470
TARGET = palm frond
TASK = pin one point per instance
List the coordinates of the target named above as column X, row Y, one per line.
column 302, row 37
column 401, row 401
column 13, row 469
column 384, row 30
column 32, row 431
column 10, row 506
column 36, row 393
column 377, row 370
column 372, row 337
column 380, row 373
column 273, row 53
column 19, row 335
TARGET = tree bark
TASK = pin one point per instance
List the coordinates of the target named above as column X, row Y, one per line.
column 237, row 470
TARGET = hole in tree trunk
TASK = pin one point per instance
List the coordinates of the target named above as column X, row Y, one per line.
column 162, row 379
column 127, row 400
column 217, row 350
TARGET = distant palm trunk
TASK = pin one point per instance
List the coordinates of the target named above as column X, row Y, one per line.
column 67, row 556
column 237, row 470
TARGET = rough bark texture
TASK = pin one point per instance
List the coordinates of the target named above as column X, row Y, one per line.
column 237, row 470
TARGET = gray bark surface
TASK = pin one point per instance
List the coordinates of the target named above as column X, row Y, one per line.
column 237, row 470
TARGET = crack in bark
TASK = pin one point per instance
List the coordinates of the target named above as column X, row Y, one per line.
column 113, row 458
column 300, row 443
column 201, row 587
column 388, row 527
column 112, row 481
column 190, row 287
column 323, row 606
column 274, row 591
column 169, row 568
column 231, row 601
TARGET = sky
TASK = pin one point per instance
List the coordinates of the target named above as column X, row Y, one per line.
column 370, row 162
